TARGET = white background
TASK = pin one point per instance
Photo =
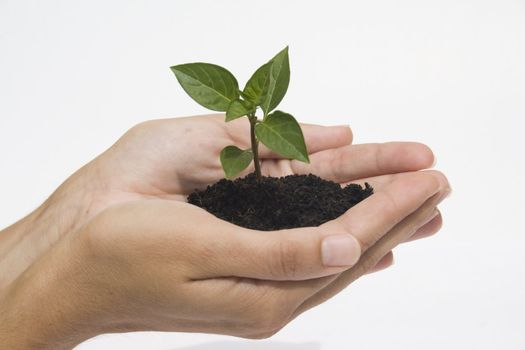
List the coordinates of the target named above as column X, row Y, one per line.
column 75, row 75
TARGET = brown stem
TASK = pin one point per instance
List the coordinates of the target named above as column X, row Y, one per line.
column 255, row 146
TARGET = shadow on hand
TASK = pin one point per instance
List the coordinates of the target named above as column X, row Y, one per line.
column 255, row 345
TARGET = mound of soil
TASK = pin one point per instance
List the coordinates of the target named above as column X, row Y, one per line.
column 277, row 203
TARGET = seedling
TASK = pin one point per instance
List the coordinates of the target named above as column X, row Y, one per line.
column 215, row 88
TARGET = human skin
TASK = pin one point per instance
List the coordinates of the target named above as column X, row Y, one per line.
column 116, row 248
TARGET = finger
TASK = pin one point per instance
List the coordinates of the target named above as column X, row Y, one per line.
column 358, row 161
column 370, row 219
column 310, row 252
column 276, row 294
column 292, row 254
column 322, row 137
column 302, row 295
column 384, row 263
column 400, row 233
column 378, row 182
column 428, row 229
column 317, row 137
column 429, row 226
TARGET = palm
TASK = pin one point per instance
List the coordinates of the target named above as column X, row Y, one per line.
column 170, row 158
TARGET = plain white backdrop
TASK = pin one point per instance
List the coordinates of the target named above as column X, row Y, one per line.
column 75, row 75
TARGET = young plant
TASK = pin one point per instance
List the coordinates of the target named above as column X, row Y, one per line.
column 215, row 88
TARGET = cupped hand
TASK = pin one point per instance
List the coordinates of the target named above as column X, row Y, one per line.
column 130, row 203
column 169, row 158
column 165, row 265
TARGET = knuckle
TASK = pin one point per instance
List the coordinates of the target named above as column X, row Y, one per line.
column 102, row 224
column 105, row 233
column 96, row 236
column 134, row 133
column 143, row 125
column 141, row 128
column 286, row 259
column 268, row 315
column 270, row 321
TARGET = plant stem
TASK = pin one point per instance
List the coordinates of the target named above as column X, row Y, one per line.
column 255, row 145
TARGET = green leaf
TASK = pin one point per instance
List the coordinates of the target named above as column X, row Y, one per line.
column 234, row 160
column 239, row 108
column 277, row 83
column 257, row 83
column 243, row 95
column 281, row 133
column 211, row 86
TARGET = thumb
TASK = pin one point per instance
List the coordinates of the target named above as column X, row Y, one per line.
column 292, row 254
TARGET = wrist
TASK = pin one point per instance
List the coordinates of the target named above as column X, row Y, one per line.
column 49, row 306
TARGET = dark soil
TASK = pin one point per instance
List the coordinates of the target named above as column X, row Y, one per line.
column 277, row 203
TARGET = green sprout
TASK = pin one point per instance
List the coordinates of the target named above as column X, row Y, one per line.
column 215, row 88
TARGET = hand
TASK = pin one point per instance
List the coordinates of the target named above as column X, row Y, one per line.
column 103, row 190
column 169, row 158
column 168, row 266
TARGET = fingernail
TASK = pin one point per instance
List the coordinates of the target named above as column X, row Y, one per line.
column 434, row 162
column 340, row 250
column 446, row 194
column 342, row 126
